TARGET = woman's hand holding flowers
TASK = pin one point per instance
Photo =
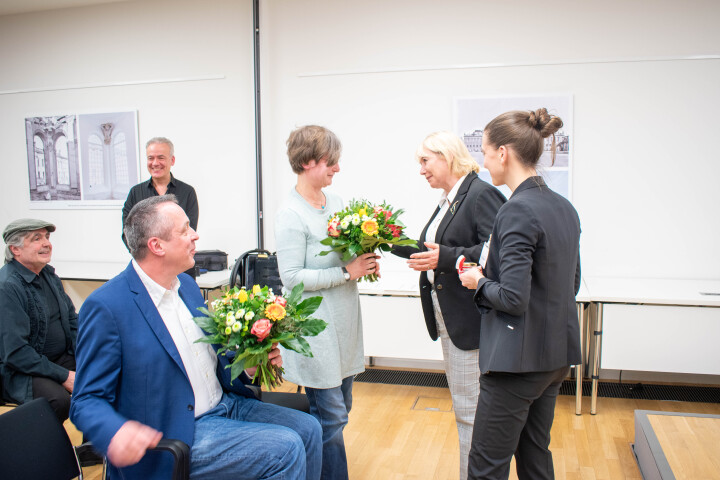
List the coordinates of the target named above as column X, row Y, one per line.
column 363, row 265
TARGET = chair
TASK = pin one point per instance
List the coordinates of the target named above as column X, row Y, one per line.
column 35, row 445
column 296, row 401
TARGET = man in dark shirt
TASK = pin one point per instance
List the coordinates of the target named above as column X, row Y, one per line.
column 38, row 326
column 160, row 157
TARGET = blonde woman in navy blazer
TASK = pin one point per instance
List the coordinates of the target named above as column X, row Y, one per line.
column 460, row 225
column 529, row 334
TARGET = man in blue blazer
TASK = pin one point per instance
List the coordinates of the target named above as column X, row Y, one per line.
column 142, row 376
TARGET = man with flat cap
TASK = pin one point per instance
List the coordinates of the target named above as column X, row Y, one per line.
column 38, row 326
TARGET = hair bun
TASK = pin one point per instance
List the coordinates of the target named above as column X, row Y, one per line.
column 545, row 123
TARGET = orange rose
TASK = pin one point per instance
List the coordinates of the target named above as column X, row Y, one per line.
column 275, row 311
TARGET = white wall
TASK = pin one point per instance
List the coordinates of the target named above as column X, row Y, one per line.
column 211, row 121
column 381, row 75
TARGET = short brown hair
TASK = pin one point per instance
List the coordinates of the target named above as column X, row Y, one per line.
column 524, row 131
column 312, row 142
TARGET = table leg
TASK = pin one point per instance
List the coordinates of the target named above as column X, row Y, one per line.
column 596, row 358
column 579, row 369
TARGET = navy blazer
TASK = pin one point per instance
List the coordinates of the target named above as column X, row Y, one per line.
column 463, row 231
column 128, row 368
column 527, row 300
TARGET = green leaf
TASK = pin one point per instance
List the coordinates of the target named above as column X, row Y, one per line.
column 309, row 305
column 236, row 368
column 312, row 326
column 296, row 293
column 206, row 323
column 299, row 345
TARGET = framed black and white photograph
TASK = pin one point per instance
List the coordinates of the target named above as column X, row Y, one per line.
column 472, row 114
column 52, row 157
column 108, row 153
column 82, row 160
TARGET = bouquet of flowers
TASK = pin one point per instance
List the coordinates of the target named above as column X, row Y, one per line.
column 363, row 228
column 247, row 323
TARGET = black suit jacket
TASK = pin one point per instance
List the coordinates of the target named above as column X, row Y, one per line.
column 463, row 231
column 527, row 300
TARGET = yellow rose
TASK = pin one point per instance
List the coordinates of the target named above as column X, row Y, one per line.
column 242, row 296
column 369, row 227
column 256, row 289
column 275, row 312
column 362, row 212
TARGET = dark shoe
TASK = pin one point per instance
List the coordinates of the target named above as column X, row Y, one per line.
column 87, row 456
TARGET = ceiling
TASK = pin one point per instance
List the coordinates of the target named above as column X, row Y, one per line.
column 11, row 7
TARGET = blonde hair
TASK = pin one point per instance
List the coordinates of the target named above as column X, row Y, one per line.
column 452, row 149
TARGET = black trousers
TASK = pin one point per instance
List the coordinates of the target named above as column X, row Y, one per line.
column 514, row 416
column 55, row 393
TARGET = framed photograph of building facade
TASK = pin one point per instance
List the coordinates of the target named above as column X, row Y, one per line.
column 82, row 160
column 473, row 113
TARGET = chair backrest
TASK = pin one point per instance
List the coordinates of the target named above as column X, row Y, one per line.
column 34, row 444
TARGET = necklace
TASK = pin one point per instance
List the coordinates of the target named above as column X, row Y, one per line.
column 318, row 204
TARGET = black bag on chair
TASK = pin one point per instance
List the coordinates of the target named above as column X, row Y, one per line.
column 256, row 267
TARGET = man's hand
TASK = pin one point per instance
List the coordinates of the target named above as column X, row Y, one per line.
column 130, row 443
column 275, row 359
column 424, row 261
column 69, row 384
column 470, row 278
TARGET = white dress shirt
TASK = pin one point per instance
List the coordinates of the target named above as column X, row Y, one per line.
column 199, row 359
column 446, row 200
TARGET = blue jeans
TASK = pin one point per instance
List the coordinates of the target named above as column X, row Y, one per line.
column 331, row 407
column 243, row 438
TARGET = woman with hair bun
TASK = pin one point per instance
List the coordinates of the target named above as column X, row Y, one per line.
column 529, row 333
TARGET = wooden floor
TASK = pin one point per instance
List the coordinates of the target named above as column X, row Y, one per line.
column 401, row 432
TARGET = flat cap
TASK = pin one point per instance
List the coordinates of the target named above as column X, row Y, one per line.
column 26, row 225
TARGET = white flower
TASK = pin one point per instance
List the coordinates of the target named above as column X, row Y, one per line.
column 229, row 319
column 249, row 315
column 345, row 222
column 240, row 313
column 355, row 219
column 236, row 327
column 365, row 218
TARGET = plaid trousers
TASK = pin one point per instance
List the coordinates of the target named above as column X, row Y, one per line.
column 462, row 370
